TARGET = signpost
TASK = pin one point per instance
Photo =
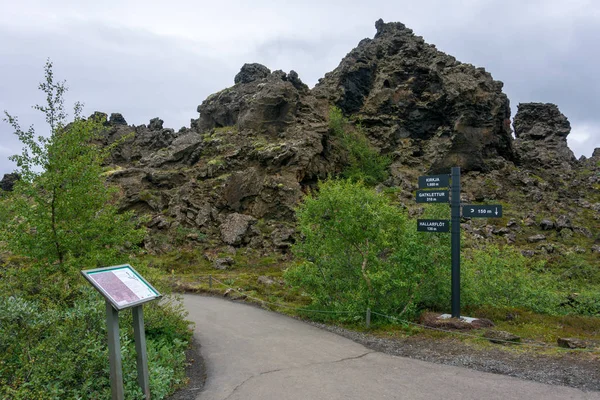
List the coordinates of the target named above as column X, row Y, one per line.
column 432, row 196
column 435, row 225
column 122, row 287
column 455, row 243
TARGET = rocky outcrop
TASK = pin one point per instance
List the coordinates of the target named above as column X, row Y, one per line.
column 251, row 72
column 261, row 101
column 236, row 175
column 236, row 229
column 8, row 181
column 541, row 132
column 136, row 142
column 416, row 101
column 116, row 119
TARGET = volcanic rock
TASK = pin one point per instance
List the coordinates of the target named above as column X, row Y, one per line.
column 117, row 119
column 536, row 238
column 8, row 181
column 408, row 93
column 541, row 131
column 546, row 225
column 235, row 228
column 257, row 147
column 501, row 337
column 571, row 343
column 223, row 263
column 251, row 72
column 156, row 124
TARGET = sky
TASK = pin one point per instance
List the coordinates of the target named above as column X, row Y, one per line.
column 149, row 59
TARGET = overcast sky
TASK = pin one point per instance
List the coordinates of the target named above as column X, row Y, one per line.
column 146, row 58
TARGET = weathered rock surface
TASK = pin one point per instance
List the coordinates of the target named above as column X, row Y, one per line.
column 8, row 181
column 547, row 225
column 501, row 337
column 536, row 238
column 571, row 343
column 236, row 175
column 251, row 72
column 541, row 131
column 235, row 229
column 417, row 101
column 223, row 263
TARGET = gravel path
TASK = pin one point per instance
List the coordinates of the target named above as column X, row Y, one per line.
column 579, row 370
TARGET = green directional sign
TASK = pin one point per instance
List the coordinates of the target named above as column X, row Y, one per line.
column 470, row 211
column 433, row 225
column 434, row 181
column 432, row 196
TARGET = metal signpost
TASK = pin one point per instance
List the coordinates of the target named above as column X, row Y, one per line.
column 436, row 225
column 122, row 287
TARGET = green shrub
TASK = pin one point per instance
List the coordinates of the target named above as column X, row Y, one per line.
column 61, row 212
column 364, row 162
column 504, row 278
column 61, row 218
column 359, row 251
column 56, row 352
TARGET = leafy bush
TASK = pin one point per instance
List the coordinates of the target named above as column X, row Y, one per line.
column 61, row 209
column 61, row 218
column 504, row 278
column 359, row 251
column 364, row 162
column 52, row 352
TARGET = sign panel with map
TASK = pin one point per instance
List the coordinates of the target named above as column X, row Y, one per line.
column 121, row 285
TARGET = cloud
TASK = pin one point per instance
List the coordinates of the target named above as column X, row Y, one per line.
column 113, row 70
column 584, row 138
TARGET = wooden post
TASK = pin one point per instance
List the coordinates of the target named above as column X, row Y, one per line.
column 114, row 353
column 140, row 349
column 368, row 317
column 210, row 281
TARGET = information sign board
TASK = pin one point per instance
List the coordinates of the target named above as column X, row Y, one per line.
column 121, row 285
column 494, row 211
column 434, row 181
column 433, row 225
column 432, row 196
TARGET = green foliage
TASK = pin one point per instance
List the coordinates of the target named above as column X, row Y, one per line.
column 61, row 218
column 51, row 352
column 364, row 162
column 359, row 251
column 504, row 278
column 61, row 210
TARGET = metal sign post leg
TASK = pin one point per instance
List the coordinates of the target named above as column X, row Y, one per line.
column 140, row 349
column 114, row 353
column 455, row 241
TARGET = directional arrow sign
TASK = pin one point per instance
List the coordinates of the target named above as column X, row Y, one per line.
column 433, row 225
column 482, row 211
column 434, row 181
column 432, row 196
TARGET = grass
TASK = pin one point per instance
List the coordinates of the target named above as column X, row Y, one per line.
column 190, row 270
